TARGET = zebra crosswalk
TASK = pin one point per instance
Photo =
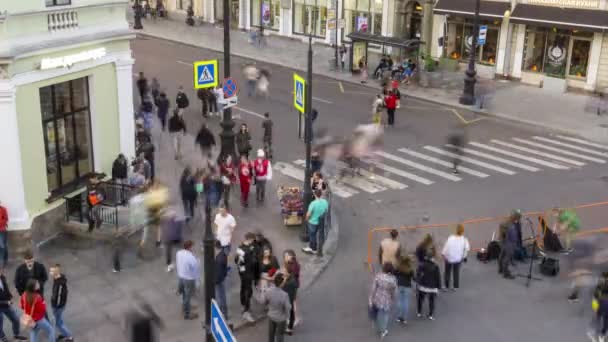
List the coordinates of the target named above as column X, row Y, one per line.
column 406, row 167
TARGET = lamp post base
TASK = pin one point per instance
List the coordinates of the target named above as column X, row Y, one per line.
column 468, row 95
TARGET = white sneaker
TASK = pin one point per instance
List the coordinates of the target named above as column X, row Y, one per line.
column 383, row 334
column 419, row 315
column 601, row 338
column 248, row 317
column 170, row 268
column 307, row 250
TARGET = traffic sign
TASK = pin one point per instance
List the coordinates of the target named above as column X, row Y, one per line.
column 299, row 100
column 483, row 32
column 205, row 74
column 219, row 328
column 230, row 88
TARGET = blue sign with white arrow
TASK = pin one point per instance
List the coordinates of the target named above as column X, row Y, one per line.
column 219, row 328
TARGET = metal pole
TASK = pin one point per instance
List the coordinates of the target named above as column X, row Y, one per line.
column 137, row 24
column 468, row 94
column 227, row 136
column 209, row 264
column 507, row 59
column 336, row 34
column 308, row 129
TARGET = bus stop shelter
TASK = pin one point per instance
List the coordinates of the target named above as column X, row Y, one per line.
column 360, row 44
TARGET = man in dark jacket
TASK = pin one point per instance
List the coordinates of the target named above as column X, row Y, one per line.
column 147, row 149
column 181, row 100
column 243, row 141
column 221, row 272
column 59, row 300
column 162, row 105
column 142, row 86
column 30, row 269
column 120, row 168
column 508, row 239
column 203, row 95
column 7, row 310
column 206, row 141
column 177, row 129
column 246, row 262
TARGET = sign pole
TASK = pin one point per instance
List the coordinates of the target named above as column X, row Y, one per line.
column 227, row 135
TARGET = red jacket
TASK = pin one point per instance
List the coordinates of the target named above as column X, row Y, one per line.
column 261, row 168
column 3, row 218
column 245, row 173
column 390, row 102
column 228, row 171
column 39, row 306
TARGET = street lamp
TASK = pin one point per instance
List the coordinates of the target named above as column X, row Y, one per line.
column 468, row 94
column 209, row 264
column 227, row 136
column 138, row 12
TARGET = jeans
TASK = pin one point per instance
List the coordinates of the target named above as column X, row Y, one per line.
column 220, row 296
column 116, row 254
column 251, row 87
column 382, row 320
column 312, row 235
column 449, row 267
column 403, row 301
column 10, row 313
column 4, row 248
column 42, row 324
column 276, row 331
column 391, row 116
column 246, row 291
column 189, row 205
column 169, row 250
column 63, row 330
column 421, row 296
column 186, row 288
column 260, row 189
column 504, row 259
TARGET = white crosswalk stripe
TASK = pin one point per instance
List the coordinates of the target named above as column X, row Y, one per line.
column 391, row 184
column 519, row 156
column 538, row 153
column 419, row 166
column 402, row 173
column 494, row 158
column 470, row 160
column 443, row 162
column 554, row 149
column 357, row 182
column 297, row 173
column 570, row 146
column 583, row 142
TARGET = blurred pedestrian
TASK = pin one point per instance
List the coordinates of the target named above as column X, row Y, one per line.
column 3, row 235
column 404, row 273
column 454, row 253
column 246, row 262
column 224, row 224
column 6, row 309
column 456, row 142
column 162, row 108
column 188, row 273
column 245, row 179
column 508, row 243
column 263, row 173
column 154, row 89
column 172, row 235
column 146, row 113
column 279, row 307
column 143, row 322
column 206, row 141
column 428, row 280
column 181, row 100
column 267, row 137
column 187, row 187
column 59, row 301
column 147, row 149
column 314, row 216
column 34, row 311
column 363, row 69
column 203, row 95
column 250, row 72
column 377, row 107
column 381, row 297
column 263, row 84
column 342, row 52
column 243, row 140
column 221, row 274
column 425, row 247
column 142, row 86
column 220, row 100
column 268, row 268
column 290, row 285
column 228, row 172
column 177, row 129
column 211, row 101
column 390, row 249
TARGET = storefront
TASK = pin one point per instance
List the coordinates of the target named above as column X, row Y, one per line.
column 271, row 10
column 310, row 16
column 362, row 16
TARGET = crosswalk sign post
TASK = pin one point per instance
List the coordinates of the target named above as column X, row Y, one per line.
column 299, row 85
column 205, row 74
column 219, row 328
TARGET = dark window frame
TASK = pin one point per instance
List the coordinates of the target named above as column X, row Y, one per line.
column 54, row 3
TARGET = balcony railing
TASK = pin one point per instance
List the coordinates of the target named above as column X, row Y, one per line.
column 64, row 20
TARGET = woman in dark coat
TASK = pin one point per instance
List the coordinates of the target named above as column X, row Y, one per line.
column 187, row 187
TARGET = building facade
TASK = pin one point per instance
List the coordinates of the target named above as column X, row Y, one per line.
column 67, row 101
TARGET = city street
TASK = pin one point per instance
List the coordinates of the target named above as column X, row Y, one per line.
column 509, row 166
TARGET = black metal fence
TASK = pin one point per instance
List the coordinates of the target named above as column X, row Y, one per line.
column 116, row 193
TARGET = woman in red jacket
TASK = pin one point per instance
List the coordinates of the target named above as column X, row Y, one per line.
column 34, row 310
column 245, row 177
column 390, row 101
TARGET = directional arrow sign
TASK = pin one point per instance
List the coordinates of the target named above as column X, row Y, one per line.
column 219, row 328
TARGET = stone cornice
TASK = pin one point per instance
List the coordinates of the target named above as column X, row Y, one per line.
column 69, row 7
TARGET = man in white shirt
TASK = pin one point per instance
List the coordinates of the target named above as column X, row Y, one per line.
column 454, row 252
column 188, row 273
column 224, row 227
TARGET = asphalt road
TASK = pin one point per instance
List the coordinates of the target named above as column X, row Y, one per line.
column 487, row 307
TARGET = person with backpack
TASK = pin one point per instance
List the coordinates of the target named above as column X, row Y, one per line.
column 181, row 100
column 206, row 142
column 428, row 279
column 59, row 300
column 246, row 261
column 177, row 129
column 203, row 95
column 454, row 253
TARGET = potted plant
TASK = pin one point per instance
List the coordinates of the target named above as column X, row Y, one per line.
column 428, row 74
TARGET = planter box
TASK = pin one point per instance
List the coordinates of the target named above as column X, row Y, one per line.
column 430, row 79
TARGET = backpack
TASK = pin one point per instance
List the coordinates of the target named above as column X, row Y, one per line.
column 549, row 266
column 493, row 250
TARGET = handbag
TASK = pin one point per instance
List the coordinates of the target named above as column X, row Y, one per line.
column 372, row 312
column 27, row 322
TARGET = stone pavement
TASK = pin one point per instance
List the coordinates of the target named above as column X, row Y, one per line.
column 99, row 299
column 570, row 113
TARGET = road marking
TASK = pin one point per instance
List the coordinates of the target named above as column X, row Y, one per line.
column 249, row 112
column 584, row 142
column 360, row 183
column 372, row 177
column 461, row 118
column 298, row 174
column 402, row 173
column 321, row 100
column 470, row 160
column 515, row 155
column 538, row 153
column 184, row 63
column 498, row 159
column 443, row 162
column 424, row 168
column 578, row 148
column 341, row 87
column 568, row 153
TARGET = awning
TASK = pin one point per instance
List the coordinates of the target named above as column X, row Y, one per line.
column 564, row 18
column 488, row 10
column 386, row 41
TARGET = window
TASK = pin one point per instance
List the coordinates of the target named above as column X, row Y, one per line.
column 310, row 16
column 50, row 3
column 272, row 14
column 558, row 53
column 362, row 15
column 460, row 41
column 67, row 132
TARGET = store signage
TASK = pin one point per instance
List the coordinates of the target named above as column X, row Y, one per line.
column 341, row 23
column 483, row 32
column 567, row 3
column 265, row 13
column 362, row 24
column 557, row 55
column 69, row 60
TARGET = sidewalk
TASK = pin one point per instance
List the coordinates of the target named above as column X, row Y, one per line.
column 99, row 299
column 568, row 113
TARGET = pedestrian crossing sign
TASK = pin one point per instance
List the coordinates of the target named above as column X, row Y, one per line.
column 299, row 85
column 205, row 74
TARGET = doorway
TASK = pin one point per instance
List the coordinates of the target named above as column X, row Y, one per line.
column 408, row 23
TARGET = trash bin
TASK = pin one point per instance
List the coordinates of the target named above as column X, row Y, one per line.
column 332, row 64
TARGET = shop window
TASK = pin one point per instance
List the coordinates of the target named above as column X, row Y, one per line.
column 67, row 132
column 310, row 18
column 50, row 3
column 579, row 61
column 271, row 10
column 534, row 50
column 362, row 15
column 460, row 42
